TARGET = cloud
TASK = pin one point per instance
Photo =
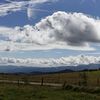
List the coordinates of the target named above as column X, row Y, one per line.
column 60, row 30
column 31, row 12
column 74, row 29
column 14, row 5
column 10, row 7
column 51, row 62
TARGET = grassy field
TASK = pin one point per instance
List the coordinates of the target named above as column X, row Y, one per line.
column 70, row 89
column 28, row 92
column 74, row 78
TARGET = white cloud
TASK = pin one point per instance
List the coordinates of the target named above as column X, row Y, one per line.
column 7, row 8
column 48, row 62
column 14, row 6
column 59, row 31
column 31, row 12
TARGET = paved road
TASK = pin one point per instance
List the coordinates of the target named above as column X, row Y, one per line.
column 31, row 83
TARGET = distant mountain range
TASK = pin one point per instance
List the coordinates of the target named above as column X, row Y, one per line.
column 38, row 70
column 46, row 65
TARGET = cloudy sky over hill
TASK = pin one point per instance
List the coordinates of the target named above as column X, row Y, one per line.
column 49, row 28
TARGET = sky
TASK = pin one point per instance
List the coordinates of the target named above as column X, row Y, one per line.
column 49, row 28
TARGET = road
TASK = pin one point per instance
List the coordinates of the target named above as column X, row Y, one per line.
column 30, row 83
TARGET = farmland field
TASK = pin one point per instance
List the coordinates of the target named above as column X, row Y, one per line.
column 29, row 92
column 70, row 88
column 74, row 78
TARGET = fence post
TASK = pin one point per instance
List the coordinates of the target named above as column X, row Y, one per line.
column 64, row 85
column 98, row 82
column 84, row 78
column 42, row 81
column 18, row 82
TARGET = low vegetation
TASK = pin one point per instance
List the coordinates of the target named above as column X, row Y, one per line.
column 31, row 92
column 86, row 78
column 74, row 86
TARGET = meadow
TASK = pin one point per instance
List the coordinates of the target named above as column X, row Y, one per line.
column 92, row 78
column 30, row 92
column 74, row 86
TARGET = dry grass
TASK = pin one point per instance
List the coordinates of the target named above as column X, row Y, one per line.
column 93, row 77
